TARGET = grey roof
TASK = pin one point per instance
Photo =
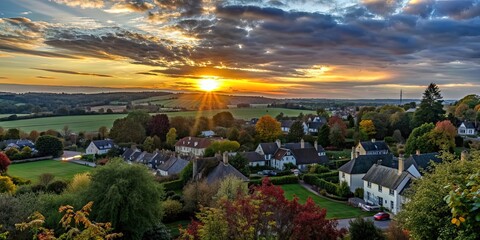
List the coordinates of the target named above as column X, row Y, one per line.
column 269, row 148
column 307, row 156
column 469, row 125
column 287, row 123
column 222, row 170
column 422, row 161
column 159, row 159
column 385, row 176
column 103, row 144
column 20, row 143
column 315, row 125
column 297, row 145
column 363, row 163
column 253, row 156
column 374, row 146
column 135, row 155
column 128, row 153
column 173, row 165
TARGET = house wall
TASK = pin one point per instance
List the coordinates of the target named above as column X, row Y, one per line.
column 361, row 151
column 354, row 180
column 199, row 152
column 392, row 202
column 414, row 171
column 253, row 164
column 92, row 149
column 279, row 164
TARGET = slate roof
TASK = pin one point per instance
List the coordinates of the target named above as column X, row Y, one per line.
column 469, row 125
column 103, row 144
column 363, row 163
column 374, row 146
column 193, row 142
column 286, row 123
column 128, row 153
column 297, row 145
column 307, row 156
column 222, row 170
column 422, row 161
column 159, row 159
column 20, row 143
column 269, row 148
column 315, row 125
column 173, row 165
column 135, row 155
column 385, row 176
column 253, row 156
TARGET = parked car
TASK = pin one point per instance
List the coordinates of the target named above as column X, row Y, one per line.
column 381, row 216
column 267, row 173
column 369, row 207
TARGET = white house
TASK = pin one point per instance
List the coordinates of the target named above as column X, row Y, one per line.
column 100, row 147
column 467, row 129
column 192, row 145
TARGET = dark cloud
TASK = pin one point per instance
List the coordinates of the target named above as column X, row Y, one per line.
column 147, row 73
column 45, row 77
column 73, row 72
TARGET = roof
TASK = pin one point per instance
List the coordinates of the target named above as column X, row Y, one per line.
column 286, row 123
column 362, row 163
column 253, row 156
column 129, row 152
column 208, row 133
column 307, row 156
column 159, row 159
column 297, row 145
column 19, row 143
column 422, row 161
column 374, row 146
column 135, row 155
column 173, row 165
column 385, row 176
column 315, row 125
column 269, row 148
column 193, row 142
column 222, row 170
column 103, row 144
column 468, row 125
column 280, row 153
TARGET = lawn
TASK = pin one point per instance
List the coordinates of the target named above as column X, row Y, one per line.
column 61, row 170
column 334, row 209
column 93, row 122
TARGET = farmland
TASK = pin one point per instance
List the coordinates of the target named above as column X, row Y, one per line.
column 93, row 122
column 61, row 170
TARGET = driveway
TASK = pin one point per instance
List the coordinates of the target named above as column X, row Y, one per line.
column 343, row 223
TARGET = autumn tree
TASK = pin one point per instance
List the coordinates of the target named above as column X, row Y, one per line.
column 460, row 111
column 443, row 135
column 323, row 136
column 6, row 185
column 431, row 107
column 34, row 135
column 223, row 119
column 221, row 147
column 4, row 163
column 268, row 129
column 296, row 133
column 171, row 138
column 159, row 126
column 335, row 120
column 12, row 133
column 49, row 145
column 368, row 127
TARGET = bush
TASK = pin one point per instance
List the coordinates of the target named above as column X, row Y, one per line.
column 159, row 232
column 315, row 180
column 284, row 173
column 359, row 193
column 39, row 188
column 172, row 209
column 57, row 186
column 291, row 179
column 343, row 190
column 20, row 181
column 45, row 179
column 389, row 140
column 361, row 229
column 317, row 169
column 173, row 185
column 6, row 185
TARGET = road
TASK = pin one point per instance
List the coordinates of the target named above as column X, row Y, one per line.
column 343, row 223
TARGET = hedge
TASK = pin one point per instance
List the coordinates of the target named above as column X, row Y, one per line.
column 314, row 179
column 277, row 180
column 173, row 185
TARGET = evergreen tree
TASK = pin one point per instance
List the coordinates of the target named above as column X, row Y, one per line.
column 431, row 107
column 323, row 135
column 296, row 133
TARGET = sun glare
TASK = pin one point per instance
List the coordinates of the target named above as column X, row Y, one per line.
column 208, row 85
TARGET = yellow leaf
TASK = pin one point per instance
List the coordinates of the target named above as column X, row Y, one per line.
column 461, row 219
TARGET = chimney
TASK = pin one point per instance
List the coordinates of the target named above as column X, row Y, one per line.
column 315, row 144
column 464, row 156
column 225, row 158
column 352, row 156
column 400, row 164
column 195, row 166
column 279, row 144
column 418, row 152
column 302, row 143
column 373, row 140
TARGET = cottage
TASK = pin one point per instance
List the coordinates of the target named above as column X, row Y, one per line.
column 192, row 146
column 221, row 170
column 372, row 147
column 254, row 158
column 100, row 147
column 418, row 163
column 172, row 166
column 267, row 150
column 467, row 129
column 300, row 154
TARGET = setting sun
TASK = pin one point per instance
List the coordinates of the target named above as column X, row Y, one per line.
column 208, row 85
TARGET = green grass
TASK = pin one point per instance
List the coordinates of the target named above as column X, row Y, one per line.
column 93, row 122
column 174, row 227
column 61, row 170
column 334, row 209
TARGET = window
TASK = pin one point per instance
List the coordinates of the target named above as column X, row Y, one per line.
column 368, row 195
column 379, row 188
column 391, row 205
column 392, row 192
column 343, row 175
column 369, row 184
column 380, row 201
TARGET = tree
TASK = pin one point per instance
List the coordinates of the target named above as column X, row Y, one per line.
column 351, row 121
column 149, row 145
column 323, row 136
column 240, row 163
column 127, row 196
column 159, row 126
column 49, row 145
column 199, row 193
column 419, row 139
column 223, row 119
column 397, row 136
column 182, row 125
column 431, row 107
column 443, row 135
column 427, row 215
column 233, row 134
column 26, row 152
column 460, row 111
column 4, row 163
column 157, row 142
column 66, row 131
column 380, row 121
column 335, row 120
column 34, row 135
column 6, row 185
column 231, row 187
column 343, row 190
column 361, row 229
column 171, row 137
column 12, row 133
column 103, row 132
column 368, row 127
column 336, row 137
column 221, row 147
column 139, row 116
column 268, row 129
column 321, row 112
column 401, row 121
column 126, row 130
column 296, row 133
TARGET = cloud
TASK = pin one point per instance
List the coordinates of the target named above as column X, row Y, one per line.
column 147, row 73
column 45, row 77
column 73, row 72
column 82, row 3
column 26, row 13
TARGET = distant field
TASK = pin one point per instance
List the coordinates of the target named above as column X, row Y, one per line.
column 61, row 170
column 93, row 122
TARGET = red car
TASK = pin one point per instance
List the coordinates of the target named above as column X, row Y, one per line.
column 381, row 216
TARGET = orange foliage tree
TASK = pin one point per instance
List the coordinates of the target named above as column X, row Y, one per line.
column 268, row 129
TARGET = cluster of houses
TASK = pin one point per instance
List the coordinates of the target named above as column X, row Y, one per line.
column 383, row 177
column 18, row 144
column 309, row 127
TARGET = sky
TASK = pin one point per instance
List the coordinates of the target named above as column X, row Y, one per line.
column 275, row 48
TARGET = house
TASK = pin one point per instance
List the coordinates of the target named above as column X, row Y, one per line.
column 372, row 147
column 254, row 158
column 207, row 134
column 100, row 147
column 18, row 144
column 353, row 171
column 172, row 166
column 300, row 154
column 221, row 169
column 418, row 163
column 192, row 146
column 467, row 129
column 384, row 186
column 286, row 125
column 267, row 150
column 313, row 127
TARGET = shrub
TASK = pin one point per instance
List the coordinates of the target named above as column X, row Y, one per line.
column 159, row 232
column 20, row 181
column 45, row 179
column 343, row 190
column 79, row 182
column 172, row 208
column 323, row 192
column 359, row 193
column 6, row 185
column 57, row 186
column 361, row 229
column 39, row 188
column 173, row 185
column 277, row 180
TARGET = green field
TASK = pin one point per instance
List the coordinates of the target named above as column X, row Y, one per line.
column 93, row 122
column 334, row 209
column 61, row 170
